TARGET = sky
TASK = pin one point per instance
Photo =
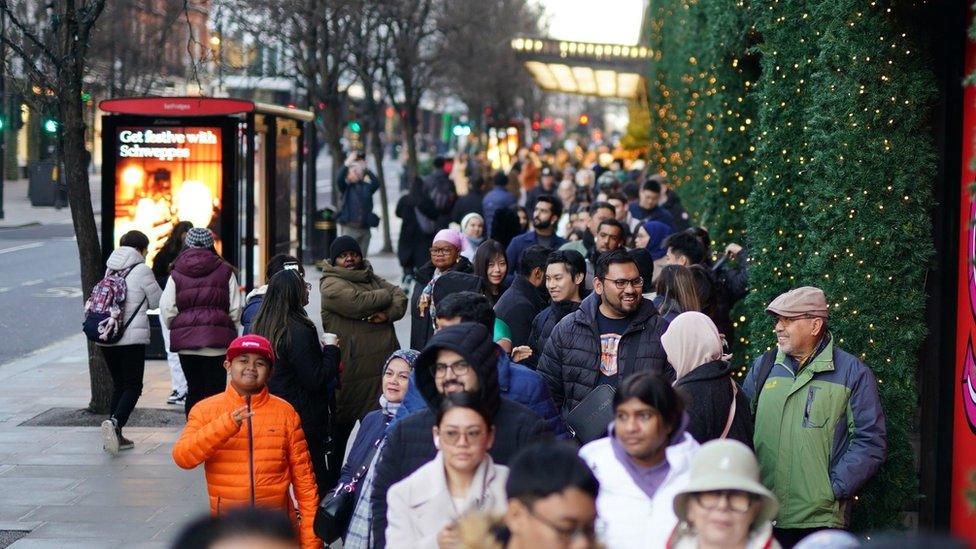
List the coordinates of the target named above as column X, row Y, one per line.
column 601, row 21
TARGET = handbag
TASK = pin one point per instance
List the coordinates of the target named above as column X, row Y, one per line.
column 335, row 510
column 589, row 419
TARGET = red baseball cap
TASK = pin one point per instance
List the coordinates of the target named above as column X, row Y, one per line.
column 251, row 344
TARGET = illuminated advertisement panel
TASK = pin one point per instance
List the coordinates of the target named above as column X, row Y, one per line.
column 164, row 175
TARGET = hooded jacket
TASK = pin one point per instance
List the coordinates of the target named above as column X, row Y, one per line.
column 349, row 297
column 280, row 457
column 141, row 293
column 410, row 443
column 421, row 327
column 707, row 391
column 518, row 307
column 516, row 382
column 825, row 420
column 201, row 303
column 633, row 520
column 252, row 304
column 570, row 363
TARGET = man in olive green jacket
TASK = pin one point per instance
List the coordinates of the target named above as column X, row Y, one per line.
column 820, row 430
column 360, row 307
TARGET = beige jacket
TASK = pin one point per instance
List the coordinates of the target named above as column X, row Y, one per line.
column 420, row 506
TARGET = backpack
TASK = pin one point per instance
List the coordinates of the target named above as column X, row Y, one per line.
column 105, row 306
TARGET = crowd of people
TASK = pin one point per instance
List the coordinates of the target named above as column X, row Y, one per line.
column 567, row 381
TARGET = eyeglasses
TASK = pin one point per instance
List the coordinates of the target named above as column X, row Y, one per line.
column 459, row 368
column 453, row 436
column 586, row 531
column 737, row 500
column 441, row 251
column 787, row 321
column 622, row 283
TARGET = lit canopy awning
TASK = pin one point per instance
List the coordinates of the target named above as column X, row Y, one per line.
column 604, row 70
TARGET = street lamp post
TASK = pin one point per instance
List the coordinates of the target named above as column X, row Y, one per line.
column 4, row 123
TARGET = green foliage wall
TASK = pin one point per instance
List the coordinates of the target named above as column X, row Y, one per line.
column 833, row 164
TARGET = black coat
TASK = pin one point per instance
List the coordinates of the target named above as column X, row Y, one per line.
column 542, row 327
column 570, row 362
column 410, row 443
column 708, row 397
column 518, row 306
column 421, row 327
column 413, row 244
column 469, row 203
column 304, row 375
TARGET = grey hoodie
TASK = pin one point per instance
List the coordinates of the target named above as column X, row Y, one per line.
column 142, row 292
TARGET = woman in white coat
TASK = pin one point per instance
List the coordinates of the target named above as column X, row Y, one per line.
column 642, row 464
column 126, row 358
column 423, row 509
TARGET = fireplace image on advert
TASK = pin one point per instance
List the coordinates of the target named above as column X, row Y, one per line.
column 167, row 175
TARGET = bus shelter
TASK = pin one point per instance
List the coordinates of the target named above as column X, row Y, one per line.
column 232, row 165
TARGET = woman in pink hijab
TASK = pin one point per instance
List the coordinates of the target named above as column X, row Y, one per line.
column 716, row 406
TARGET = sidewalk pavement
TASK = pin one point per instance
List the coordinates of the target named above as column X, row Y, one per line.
column 59, row 484
column 18, row 211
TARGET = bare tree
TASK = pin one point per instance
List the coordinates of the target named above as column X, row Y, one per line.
column 478, row 63
column 314, row 34
column 50, row 45
column 141, row 50
column 369, row 50
column 411, row 27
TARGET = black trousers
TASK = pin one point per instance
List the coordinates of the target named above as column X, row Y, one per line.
column 126, row 363
column 788, row 537
column 205, row 377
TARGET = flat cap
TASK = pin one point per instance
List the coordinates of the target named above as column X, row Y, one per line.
column 803, row 301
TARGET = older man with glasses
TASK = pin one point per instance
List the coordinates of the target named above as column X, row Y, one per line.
column 818, row 415
column 614, row 333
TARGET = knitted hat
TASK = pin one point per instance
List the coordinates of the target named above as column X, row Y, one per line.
column 199, row 237
column 342, row 245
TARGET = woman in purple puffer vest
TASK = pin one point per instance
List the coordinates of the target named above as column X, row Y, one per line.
column 201, row 305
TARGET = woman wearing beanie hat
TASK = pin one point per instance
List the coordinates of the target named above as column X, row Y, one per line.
column 445, row 255
column 367, row 440
column 201, row 305
column 724, row 505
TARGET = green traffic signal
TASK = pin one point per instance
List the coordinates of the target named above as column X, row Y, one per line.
column 2, row 123
column 50, row 125
column 355, row 127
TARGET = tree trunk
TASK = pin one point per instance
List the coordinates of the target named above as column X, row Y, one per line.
column 376, row 145
column 410, row 136
column 75, row 175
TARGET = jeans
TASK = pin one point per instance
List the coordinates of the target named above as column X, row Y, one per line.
column 361, row 235
column 205, row 377
column 126, row 363
column 176, row 376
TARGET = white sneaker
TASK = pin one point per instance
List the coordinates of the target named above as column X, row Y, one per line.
column 110, row 438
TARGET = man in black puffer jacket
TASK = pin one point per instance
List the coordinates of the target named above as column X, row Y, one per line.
column 458, row 358
column 614, row 333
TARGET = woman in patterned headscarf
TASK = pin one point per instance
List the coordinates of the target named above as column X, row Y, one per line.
column 367, row 442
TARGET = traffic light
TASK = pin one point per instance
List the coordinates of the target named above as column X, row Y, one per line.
column 355, row 127
column 50, row 125
column 584, row 120
column 2, row 123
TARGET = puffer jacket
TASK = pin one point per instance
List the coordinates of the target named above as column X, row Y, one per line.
column 280, row 457
column 825, row 420
column 707, row 391
column 303, row 375
column 201, row 304
column 542, row 326
column 570, row 363
column 141, row 293
column 252, row 304
column 421, row 327
column 348, row 298
column 516, row 382
column 410, row 443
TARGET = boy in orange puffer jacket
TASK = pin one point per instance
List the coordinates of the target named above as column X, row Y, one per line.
column 251, row 443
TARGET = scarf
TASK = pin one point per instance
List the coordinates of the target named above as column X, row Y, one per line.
column 410, row 357
column 690, row 341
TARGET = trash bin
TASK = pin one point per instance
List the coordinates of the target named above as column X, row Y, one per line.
column 324, row 232
column 42, row 187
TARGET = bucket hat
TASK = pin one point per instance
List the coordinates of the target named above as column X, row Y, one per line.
column 726, row 464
